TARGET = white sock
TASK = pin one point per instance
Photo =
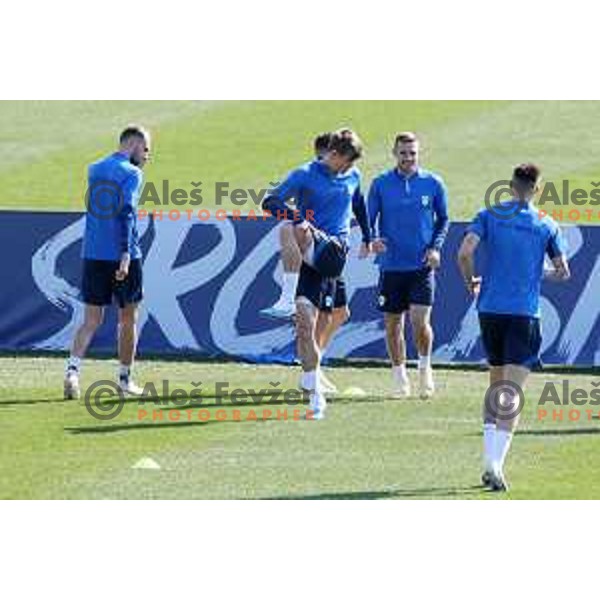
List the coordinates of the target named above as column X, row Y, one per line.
column 489, row 446
column 503, row 441
column 124, row 372
column 310, row 379
column 399, row 372
column 317, row 400
column 425, row 361
column 289, row 284
column 73, row 364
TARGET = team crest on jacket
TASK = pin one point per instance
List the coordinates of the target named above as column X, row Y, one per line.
column 425, row 200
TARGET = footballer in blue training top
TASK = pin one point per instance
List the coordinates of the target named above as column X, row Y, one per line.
column 408, row 214
column 327, row 192
column 112, row 266
column 328, row 322
column 515, row 241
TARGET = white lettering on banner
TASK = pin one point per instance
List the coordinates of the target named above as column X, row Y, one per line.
column 574, row 239
column 464, row 340
column 584, row 315
column 163, row 284
column 583, row 319
column 463, row 343
column 57, row 290
column 551, row 322
column 227, row 304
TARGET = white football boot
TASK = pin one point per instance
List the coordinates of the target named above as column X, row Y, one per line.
column 128, row 386
column 282, row 309
column 72, row 390
column 401, row 385
column 318, row 404
column 426, row 383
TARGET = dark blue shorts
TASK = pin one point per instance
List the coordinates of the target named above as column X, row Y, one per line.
column 99, row 286
column 324, row 293
column 330, row 252
column 511, row 339
column 398, row 290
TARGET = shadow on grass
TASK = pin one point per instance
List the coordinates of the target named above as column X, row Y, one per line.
column 149, row 426
column 225, row 401
column 565, row 431
column 94, row 429
column 30, row 401
column 390, row 493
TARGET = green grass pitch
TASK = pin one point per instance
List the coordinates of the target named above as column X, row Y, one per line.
column 369, row 446
column 45, row 146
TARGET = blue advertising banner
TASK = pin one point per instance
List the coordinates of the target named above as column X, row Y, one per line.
column 205, row 283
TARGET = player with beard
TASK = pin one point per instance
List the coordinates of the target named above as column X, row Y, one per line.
column 112, row 257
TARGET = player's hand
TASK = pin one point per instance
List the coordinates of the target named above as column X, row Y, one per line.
column 474, row 285
column 378, row 246
column 123, row 271
column 433, row 258
column 364, row 250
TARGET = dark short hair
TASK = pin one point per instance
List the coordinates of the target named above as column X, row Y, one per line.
column 525, row 177
column 346, row 143
column 405, row 137
column 132, row 131
column 321, row 143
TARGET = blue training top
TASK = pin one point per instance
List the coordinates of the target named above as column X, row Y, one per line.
column 114, row 187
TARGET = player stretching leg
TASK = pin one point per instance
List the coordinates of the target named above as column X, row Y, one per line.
column 408, row 215
column 327, row 191
column 112, row 255
column 328, row 322
column 516, row 239
column 291, row 257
